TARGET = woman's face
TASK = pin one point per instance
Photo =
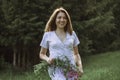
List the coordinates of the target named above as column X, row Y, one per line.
column 61, row 20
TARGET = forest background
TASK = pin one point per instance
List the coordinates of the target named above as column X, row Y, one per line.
column 22, row 23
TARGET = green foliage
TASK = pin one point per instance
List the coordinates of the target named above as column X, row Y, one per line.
column 1, row 62
column 98, row 26
column 24, row 22
column 103, row 66
column 4, row 65
column 22, row 25
column 58, row 63
column 41, row 69
column 116, row 32
column 96, row 23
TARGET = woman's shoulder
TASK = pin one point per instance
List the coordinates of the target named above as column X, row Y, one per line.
column 73, row 32
column 49, row 33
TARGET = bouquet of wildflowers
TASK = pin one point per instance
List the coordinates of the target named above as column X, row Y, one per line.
column 41, row 69
column 69, row 70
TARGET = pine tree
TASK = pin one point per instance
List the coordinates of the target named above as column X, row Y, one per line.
column 116, row 32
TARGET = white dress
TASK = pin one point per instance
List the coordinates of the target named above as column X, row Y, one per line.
column 57, row 48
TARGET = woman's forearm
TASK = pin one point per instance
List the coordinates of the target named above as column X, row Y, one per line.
column 79, row 62
column 44, row 57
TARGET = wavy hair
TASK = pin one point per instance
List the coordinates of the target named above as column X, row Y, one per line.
column 51, row 25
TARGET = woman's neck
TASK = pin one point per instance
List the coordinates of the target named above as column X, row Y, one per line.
column 60, row 30
column 61, row 34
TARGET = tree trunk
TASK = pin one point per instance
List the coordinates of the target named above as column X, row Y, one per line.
column 27, row 61
column 23, row 57
column 14, row 56
column 19, row 54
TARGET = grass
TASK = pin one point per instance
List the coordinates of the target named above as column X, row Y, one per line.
column 102, row 67
column 10, row 75
column 21, row 75
column 97, row 67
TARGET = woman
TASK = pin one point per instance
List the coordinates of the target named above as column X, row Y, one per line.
column 60, row 39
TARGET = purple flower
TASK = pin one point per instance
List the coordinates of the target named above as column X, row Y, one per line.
column 72, row 73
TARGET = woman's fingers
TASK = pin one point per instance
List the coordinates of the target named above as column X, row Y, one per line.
column 50, row 61
column 80, row 71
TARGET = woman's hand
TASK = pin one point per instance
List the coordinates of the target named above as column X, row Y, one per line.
column 80, row 71
column 50, row 60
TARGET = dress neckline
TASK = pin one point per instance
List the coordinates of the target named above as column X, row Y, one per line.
column 59, row 37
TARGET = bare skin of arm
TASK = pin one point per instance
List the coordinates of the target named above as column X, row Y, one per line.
column 78, row 60
column 43, row 56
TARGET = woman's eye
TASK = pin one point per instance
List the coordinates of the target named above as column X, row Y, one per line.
column 59, row 17
column 64, row 17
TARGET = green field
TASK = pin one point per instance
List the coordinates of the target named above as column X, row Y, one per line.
column 98, row 67
column 102, row 67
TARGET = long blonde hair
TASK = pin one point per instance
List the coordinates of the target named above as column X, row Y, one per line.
column 51, row 25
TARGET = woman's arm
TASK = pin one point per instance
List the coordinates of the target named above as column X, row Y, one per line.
column 43, row 55
column 78, row 59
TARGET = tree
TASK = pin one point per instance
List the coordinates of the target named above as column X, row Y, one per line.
column 116, row 32
column 24, row 23
column 96, row 26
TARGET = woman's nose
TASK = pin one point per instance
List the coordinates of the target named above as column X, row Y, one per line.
column 62, row 19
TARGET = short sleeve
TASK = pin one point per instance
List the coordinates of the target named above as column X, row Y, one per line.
column 76, row 40
column 44, row 42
